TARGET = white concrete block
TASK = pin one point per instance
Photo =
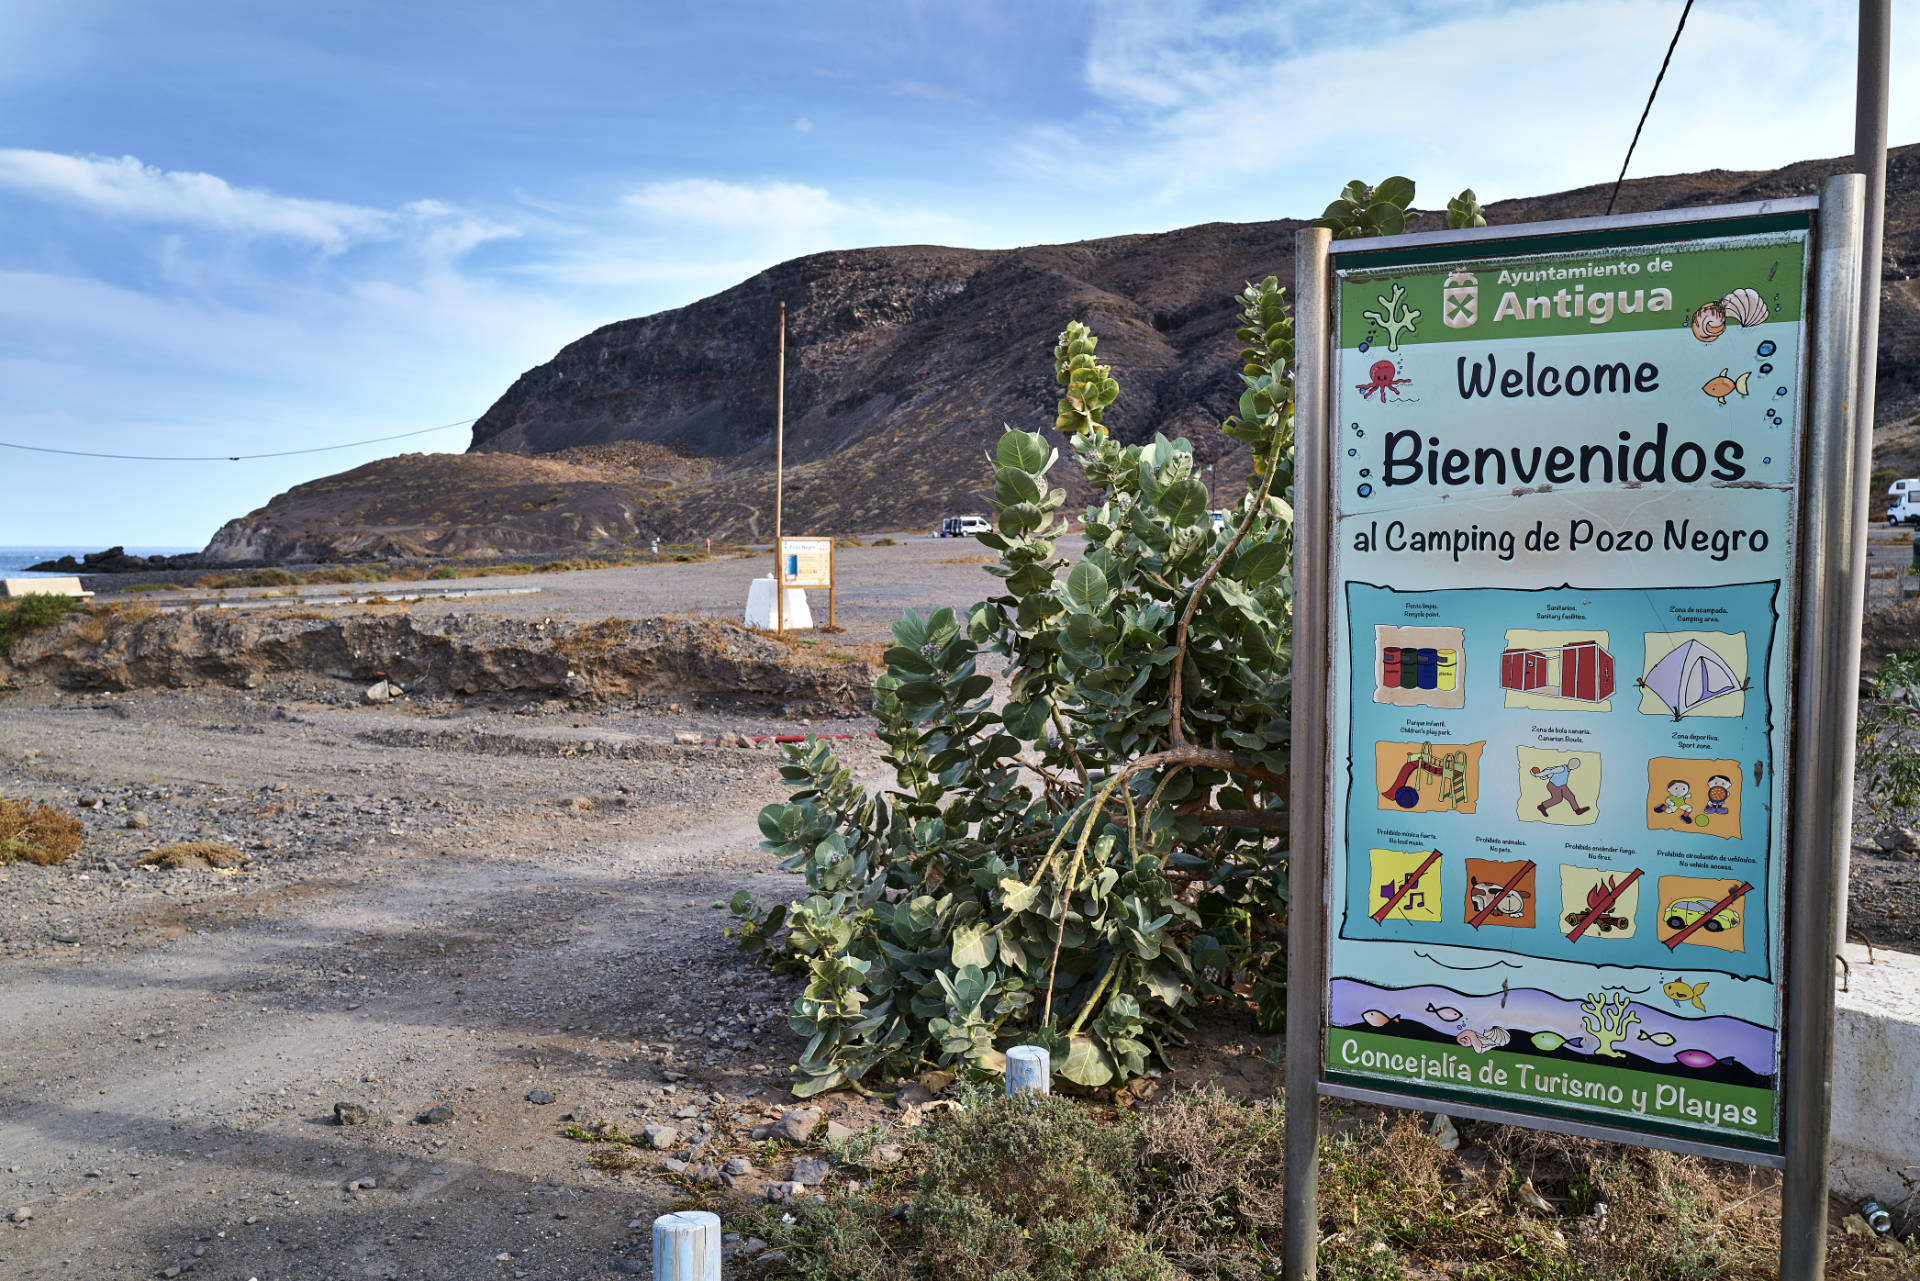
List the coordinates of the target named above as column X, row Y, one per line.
column 14, row 588
column 1876, row 1077
column 1029, row 1070
column 686, row 1246
column 760, row 607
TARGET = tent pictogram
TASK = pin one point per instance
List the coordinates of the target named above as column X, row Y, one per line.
column 1689, row 676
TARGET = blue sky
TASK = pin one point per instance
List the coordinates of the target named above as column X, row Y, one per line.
column 235, row 227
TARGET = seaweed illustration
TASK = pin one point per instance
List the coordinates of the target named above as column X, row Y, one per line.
column 1395, row 315
column 1614, row 1018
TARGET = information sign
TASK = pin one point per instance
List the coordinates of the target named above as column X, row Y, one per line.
column 806, row 562
column 1564, row 552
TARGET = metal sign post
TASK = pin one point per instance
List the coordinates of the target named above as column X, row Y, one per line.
column 1579, row 549
column 779, row 473
column 1833, row 591
column 1311, row 756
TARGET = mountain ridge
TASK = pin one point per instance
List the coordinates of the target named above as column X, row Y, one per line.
column 903, row 362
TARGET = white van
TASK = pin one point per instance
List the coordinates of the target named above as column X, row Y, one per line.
column 1903, row 502
column 963, row 526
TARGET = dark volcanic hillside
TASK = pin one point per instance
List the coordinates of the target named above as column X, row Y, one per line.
column 902, row 365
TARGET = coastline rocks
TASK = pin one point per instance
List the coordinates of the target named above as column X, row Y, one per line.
column 114, row 560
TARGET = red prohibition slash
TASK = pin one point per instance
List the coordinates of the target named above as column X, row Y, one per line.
column 1601, row 908
column 1479, row 918
column 1733, row 896
column 1406, row 887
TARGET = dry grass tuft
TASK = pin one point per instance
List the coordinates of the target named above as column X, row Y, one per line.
column 195, row 856
column 1213, row 1167
column 39, row 834
column 614, row 1159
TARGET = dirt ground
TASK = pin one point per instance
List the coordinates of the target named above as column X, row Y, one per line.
column 449, row 905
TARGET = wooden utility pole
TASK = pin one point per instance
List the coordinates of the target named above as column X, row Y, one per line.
column 779, row 467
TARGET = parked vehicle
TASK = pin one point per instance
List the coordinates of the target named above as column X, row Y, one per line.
column 963, row 526
column 1688, row 910
column 1903, row 502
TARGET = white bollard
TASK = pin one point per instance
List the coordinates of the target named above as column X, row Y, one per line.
column 1029, row 1071
column 686, row 1246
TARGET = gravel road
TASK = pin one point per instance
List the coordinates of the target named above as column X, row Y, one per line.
column 429, row 925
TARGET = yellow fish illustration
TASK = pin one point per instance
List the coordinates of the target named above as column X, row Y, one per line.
column 1680, row 993
column 1720, row 386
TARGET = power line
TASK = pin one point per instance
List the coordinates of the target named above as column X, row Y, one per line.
column 232, row 458
column 1649, row 107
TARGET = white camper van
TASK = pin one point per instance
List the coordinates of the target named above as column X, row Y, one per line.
column 1903, row 502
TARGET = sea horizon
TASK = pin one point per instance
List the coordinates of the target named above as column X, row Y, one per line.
column 15, row 559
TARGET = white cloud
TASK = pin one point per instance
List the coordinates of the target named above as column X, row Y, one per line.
column 1269, row 110
column 803, row 125
column 710, row 202
column 126, row 188
column 690, row 236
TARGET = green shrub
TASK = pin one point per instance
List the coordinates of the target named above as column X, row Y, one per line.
column 967, row 909
column 250, row 578
column 31, row 614
column 333, row 574
column 444, row 571
column 1026, row 1189
column 1889, row 723
column 1189, row 1187
column 885, row 542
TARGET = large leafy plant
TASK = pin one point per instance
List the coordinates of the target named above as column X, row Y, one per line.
column 1078, row 864
column 1889, row 725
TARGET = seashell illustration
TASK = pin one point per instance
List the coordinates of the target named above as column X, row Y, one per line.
column 1744, row 307
column 1481, row 1042
column 1709, row 322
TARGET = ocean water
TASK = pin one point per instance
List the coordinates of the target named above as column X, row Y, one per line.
column 14, row 560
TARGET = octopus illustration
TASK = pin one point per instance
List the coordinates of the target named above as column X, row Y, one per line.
column 1383, row 381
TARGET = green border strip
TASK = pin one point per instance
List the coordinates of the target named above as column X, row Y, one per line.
column 1775, row 1146
column 1571, row 242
